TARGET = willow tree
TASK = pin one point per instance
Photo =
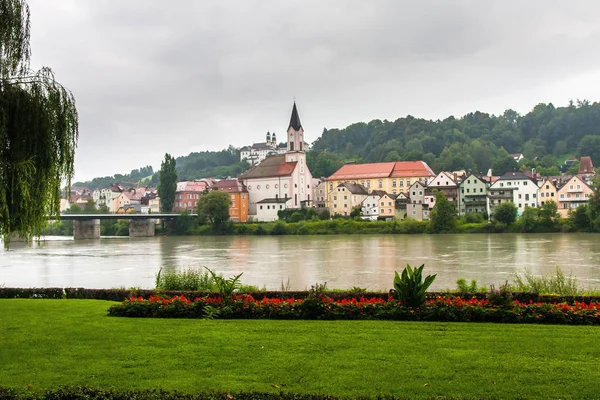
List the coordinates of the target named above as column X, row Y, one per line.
column 38, row 131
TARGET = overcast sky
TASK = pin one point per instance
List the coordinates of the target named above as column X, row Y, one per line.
column 151, row 77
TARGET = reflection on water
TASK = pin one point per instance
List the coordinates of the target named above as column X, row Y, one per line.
column 341, row 261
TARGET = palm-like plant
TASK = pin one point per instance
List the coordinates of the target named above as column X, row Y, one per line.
column 410, row 287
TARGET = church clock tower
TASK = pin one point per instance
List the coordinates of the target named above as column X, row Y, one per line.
column 295, row 133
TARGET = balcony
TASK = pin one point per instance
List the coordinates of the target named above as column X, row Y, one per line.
column 575, row 190
column 475, row 194
column 475, row 203
column 501, row 196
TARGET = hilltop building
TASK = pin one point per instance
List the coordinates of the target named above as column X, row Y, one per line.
column 281, row 176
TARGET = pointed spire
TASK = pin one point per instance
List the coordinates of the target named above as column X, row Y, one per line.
column 295, row 120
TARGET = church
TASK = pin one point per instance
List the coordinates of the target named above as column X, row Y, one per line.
column 280, row 181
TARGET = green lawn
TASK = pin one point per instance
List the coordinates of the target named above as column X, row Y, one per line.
column 48, row 343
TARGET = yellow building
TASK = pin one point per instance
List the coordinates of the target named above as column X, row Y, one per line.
column 344, row 197
column 547, row 192
column 391, row 177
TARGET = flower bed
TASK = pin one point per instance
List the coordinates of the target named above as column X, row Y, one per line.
column 326, row 308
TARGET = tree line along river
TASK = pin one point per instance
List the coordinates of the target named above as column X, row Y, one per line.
column 343, row 261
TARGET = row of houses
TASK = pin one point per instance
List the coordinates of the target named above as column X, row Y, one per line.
column 470, row 193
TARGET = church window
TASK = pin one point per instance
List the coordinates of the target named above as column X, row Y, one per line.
column 268, row 207
column 249, row 187
column 261, row 207
column 266, row 186
column 276, row 186
column 291, row 146
column 257, row 187
column 285, row 185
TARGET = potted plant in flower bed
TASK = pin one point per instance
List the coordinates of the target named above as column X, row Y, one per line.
column 406, row 302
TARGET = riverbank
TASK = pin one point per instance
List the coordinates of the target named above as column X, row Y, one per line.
column 44, row 341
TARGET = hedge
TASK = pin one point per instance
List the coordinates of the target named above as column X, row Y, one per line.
column 325, row 308
column 93, row 393
column 123, row 294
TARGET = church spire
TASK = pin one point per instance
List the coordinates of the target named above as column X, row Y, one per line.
column 295, row 119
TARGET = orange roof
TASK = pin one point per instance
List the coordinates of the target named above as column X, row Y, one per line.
column 411, row 168
column 357, row 171
column 231, row 186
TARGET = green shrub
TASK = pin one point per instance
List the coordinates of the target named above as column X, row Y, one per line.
column 410, row 287
column 278, row 228
column 557, row 284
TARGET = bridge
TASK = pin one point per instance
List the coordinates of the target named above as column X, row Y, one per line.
column 87, row 226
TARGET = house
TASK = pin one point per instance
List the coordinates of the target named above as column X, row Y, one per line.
column 573, row 194
column 586, row 168
column 387, row 207
column 547, row 192
column 106, row 196
column 187, row 195
column 283, row 175
column 345, row 197
column 256, row 153
column 473, row 195
column 154, row 205
column 391, row 177
column 517, row 156
column 445, row 182
column 267, row 209
column 238, row 194
column 369, row 207
column 321, row 194
column 417, row 207
column 514, row 186
column 401, row 202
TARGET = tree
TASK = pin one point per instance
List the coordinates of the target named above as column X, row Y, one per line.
column 443, row 215
column 167, row 185
column 38, row 131
column 505, row 213
column 548, row 216
column 214, row 208
column 528, row 221
column 90, row 207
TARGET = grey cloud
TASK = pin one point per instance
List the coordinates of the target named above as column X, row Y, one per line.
column 191, row 76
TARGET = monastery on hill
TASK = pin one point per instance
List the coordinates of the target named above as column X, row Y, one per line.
column 280, row 181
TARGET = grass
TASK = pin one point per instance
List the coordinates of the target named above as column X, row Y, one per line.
column 49, row 343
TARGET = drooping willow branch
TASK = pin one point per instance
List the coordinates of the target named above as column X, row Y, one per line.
column 38, row 131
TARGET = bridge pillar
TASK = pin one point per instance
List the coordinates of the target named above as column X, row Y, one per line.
column 86, row 229
column 141, row 228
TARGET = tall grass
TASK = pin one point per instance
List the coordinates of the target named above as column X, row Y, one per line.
column 193, row 279
column 557, row 284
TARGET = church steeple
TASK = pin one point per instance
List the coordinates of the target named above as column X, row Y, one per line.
column 295, row 119
column 295, row 132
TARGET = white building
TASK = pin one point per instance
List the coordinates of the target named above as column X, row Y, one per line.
column 267, row 209
column 514, row 186
column 282, row 176
column 370, row 205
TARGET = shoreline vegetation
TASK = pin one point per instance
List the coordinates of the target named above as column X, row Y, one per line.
column 185, row 226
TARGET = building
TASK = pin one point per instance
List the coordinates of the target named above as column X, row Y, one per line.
column 187, row 195
column 106, row 196
column 238, row 194
column 256, row 153
column 572, row 194
column 267, row 209
column 547, row 192
column 321, row 195
column 417, row 207
column 387, row 207
column 586, row 168
column 473, row 195
column 345, row 197
column 445, row 182
column 514, row 186
column 369, row 207
column 282, row 176
column 391, row 177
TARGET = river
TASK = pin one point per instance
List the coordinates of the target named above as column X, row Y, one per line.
column 342, row 261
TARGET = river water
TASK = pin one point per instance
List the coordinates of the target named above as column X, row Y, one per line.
column 341, row 261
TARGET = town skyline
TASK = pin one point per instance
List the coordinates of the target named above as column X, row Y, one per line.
column 201, row 77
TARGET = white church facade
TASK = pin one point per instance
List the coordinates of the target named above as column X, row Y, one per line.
column 280, row 177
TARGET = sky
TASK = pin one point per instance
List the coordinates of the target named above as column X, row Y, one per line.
column 154, row 77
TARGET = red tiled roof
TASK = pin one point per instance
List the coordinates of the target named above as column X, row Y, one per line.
column 270, row 167
column 585, row 165
column 357, row 171
column 191, row 186
column 411, row 168
column 231, row 186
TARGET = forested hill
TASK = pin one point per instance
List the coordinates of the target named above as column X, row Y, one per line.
column 477, row 141
column 546, row 136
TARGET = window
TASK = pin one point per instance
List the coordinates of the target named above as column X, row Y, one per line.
column 268, row 207
column 389, row 210
column 520, row 196
column 244, row 197
column 382, row 203
column 468, row 190
column 261, row 207
column 393, row 183
column 525, row 183
column 280, row 207
column 420, row 193
column 345, row 197
column 520, row 205
column 562, row 196
column 233, row 204
column 345, row 205
column 547, row 187
column 389, row 203
column 542, row 194
column 401, row 183
column 266, row 186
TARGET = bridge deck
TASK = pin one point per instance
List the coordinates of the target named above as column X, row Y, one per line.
column 83, row 217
